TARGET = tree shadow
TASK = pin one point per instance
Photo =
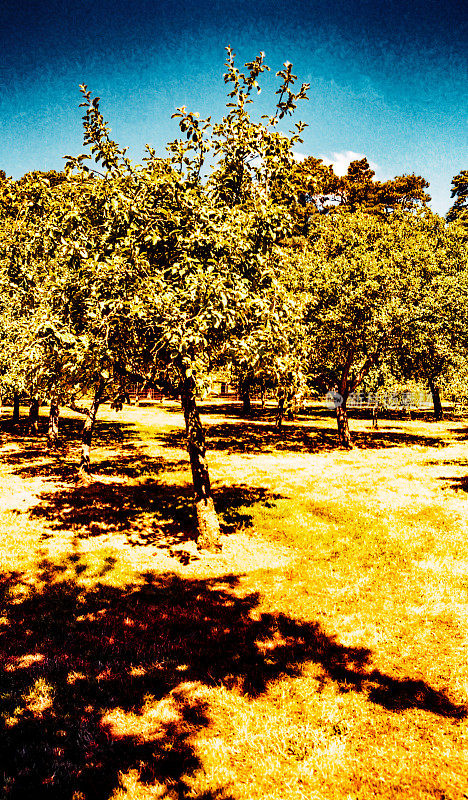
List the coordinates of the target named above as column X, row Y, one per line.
column 129, row 461
column 261, row 437
column 149, row 513
column 460, row 433
column 33, row 458
column 457, row 483
column 99, row 682
column 317, row 410
column 70, row 429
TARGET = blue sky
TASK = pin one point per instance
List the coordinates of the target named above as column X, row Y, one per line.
column 388, row 79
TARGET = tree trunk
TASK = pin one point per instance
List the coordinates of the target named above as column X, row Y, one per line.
column 53, row 428
column 347, row 385
column 291, row 405
column 87, row 432
column 375, row 416
column 344, row 436
column 207, row 519
column 438, row 413
column 16, row 408
column 33, row 416
column 280, row 410
column 244, row 391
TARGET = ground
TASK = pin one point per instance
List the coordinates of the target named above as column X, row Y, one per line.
column 322, row 654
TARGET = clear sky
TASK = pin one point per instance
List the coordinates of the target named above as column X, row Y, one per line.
column 388, row 78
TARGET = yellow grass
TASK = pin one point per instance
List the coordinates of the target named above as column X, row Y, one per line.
column 321, row 655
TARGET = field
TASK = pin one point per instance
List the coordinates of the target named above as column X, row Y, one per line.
column 321, row 655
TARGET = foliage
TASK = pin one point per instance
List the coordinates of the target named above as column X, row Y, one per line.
column 376, row 290
column 459, row 210
column 433, row 345
column 152, row 271
column 317, row 188
column 180, row 264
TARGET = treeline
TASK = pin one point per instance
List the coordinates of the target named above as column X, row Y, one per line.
column 226, row 251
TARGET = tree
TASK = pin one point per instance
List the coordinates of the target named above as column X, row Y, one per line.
column 271, row 355
column 318, row 188
column 432, row 346
column 459, row 210
column 154, row 270
column 45, row 340
column 371, row 284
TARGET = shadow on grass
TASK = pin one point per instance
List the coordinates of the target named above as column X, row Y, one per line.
column 105, row 433
column 150, row 513
column 457, row 483
column 34, row 459
column 82, row 667
column 234, row 408
column 261, row 437
column 128, row 462
column 254, row 435
column 317, row 410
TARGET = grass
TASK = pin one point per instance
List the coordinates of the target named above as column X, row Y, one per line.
column 321, row 655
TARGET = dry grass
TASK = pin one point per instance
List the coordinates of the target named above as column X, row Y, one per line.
column 321, row 655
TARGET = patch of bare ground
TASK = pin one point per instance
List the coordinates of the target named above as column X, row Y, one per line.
column 321, row 654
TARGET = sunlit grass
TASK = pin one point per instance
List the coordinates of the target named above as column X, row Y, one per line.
column 322, row 654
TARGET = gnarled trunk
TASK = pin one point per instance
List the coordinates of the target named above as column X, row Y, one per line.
column 280, row 409
column 438, row 413
column 375, row 416
column 33, row 416
column 88, row 428
column 344, row 436
column 16, row 408
column 207, row 519
column 244, row 391
column 53, row 427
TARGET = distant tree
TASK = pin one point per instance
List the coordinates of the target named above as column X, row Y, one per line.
column 317, row 187
column 44, row 337
column 432, row 346
column 376, row 288
column 459, row 210
column 312, row 187
column 271, row 355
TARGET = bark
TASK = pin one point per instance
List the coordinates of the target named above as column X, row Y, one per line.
column 207, row 519
column 344, row 436
column 347, row 384
column 438, row 413
column 16, row 408
column 244, row 391
column 53, row 427
column 344, row 388
column 33, row 416
column 280, row 410
column 375, row 416
column 87, row 432
column 291, row 406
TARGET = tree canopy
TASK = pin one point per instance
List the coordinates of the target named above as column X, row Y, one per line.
column 459, row 210
column 216, row 254
column 318, row 189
